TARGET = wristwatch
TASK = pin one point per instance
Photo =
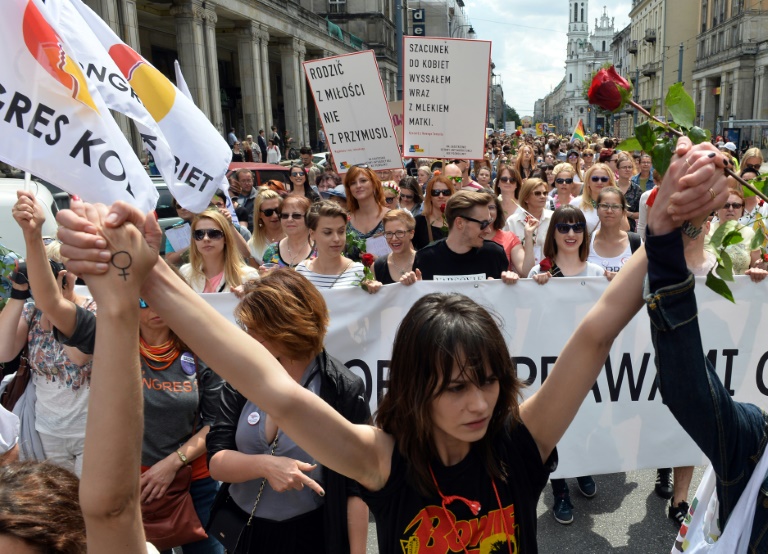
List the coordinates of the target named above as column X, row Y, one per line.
column 182, row 457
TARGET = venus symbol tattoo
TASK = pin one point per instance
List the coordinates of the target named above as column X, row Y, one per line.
column 122, row 260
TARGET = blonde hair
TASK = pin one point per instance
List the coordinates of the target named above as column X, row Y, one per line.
column 527, row 188
column 586, row 194
column 258, row 240
column 564, row 167
column 753, row 152
column 233, row 262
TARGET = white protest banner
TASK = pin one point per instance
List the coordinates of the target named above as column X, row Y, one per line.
column 54, row 123
column 353, row 110
column 201, row 155
column 622, row 424
column 396, row 111
column 445, row 97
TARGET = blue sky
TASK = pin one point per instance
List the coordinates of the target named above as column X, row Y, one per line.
column 529, row 42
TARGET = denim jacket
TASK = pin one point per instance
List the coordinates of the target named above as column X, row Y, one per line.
column 731, row 434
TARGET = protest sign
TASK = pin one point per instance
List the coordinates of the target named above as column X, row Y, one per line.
column 396, row 111
column 349, row 96
column 445, row 97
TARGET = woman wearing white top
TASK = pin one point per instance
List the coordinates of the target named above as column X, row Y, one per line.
column 273, row 153
column 215, row 265
column 611, row 247
column 564, row 179
column 533, row 197
column 596, row 177
column 327, row 222
column 742, row 257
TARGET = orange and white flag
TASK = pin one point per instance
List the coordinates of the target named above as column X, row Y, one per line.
column 53, row 124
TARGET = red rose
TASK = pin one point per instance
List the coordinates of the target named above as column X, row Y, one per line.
column 442, row 208
column 367, row 259
column 609, row 90
column 545, row 265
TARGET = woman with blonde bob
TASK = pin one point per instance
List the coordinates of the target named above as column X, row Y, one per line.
column 267, row 228
column 215, row 265
column 598, row 176
column 532, row 220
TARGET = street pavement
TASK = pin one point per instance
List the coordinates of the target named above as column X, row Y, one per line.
column 625, row 517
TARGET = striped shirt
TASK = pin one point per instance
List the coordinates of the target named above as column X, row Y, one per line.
column 350, row 278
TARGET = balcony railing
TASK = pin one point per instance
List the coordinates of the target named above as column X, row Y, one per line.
column 650, row 69
column 650, row 35
column 632, row 48
column 745, row 49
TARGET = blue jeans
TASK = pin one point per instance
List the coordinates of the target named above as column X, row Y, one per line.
column 203, row 491
column 731, row 434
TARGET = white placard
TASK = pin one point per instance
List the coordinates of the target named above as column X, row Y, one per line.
column 179, row 237
column 353, row 111
column 445, row 97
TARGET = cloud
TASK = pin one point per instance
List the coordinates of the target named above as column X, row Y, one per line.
column 529, row 43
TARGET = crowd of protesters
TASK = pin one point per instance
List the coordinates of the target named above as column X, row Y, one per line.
column 534, row 208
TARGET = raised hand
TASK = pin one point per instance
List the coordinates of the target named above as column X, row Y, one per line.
column 28, row 213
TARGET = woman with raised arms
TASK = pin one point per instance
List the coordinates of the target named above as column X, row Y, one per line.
column 453, row 445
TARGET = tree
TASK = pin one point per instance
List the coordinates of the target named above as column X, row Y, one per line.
column 511, row 115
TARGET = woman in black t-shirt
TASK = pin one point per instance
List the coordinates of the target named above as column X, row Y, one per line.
column 431, row 225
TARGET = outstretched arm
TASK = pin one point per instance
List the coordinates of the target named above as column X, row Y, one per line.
column 550, row 410
column 360, row 452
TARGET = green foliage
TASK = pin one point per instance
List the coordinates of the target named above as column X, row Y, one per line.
column 757, row 240
column 720, row 287
column 759, row 183
column 699, row 135
column 511, row 115
column 662, row 153
column 680, row 106
column 645, row 136
column 630, row 144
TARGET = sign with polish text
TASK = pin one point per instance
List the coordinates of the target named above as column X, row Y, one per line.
column 353, row 110
column 445, row 97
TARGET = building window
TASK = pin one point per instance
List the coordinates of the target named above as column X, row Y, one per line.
column 603, row 46
column 570, row 77
column 704, row 15
column 337, row 6
column 575, row 12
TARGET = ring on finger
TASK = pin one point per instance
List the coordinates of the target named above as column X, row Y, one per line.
column 688, row 162
column 712, row 194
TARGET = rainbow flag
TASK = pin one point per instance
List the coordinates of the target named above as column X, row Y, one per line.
column 578, row 132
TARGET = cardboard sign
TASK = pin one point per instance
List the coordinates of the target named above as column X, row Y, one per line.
column 445, row 97
column 353, row 110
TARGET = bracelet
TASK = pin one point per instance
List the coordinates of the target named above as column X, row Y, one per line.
column 690, row 231
column 18, row 294
column 182, row 457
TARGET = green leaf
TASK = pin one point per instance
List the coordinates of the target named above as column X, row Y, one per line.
column 644, row 135
column 725, row 267
column 699, row 135
column 717, row 237
column 662, row 155
column 630, row 144
column 734, row 237
column 720, row 287
column 680, row 106
column 759, row 183
column 758, row 240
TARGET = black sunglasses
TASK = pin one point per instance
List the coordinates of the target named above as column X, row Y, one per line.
column 483, row 224
column 577, row 228
column 440, row 192
column 596, row 179
column 390, row 200
column 297, row 173
column 407, row 197
column 270, row 212
column 505, row 179
column 294, row 215
column 566, row 181
column 213, row 234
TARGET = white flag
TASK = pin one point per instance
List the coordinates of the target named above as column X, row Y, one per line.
column 53, row 124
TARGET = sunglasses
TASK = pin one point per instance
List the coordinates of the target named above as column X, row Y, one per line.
column 539, row 193
column 566, row 181
column 399, row 234
column 297, row 173
column 588, row 155
column 505, row 179
column 294, row 215
column 407, row 197
column 564, row 228
column 734, row 205
column 270, row 212
column 611, row 207
column 483, row 224
column 600, row 179
column 143, row 305
column 390, row 200
column 753, row 167
column 440, row 192
column 456, row 179
column 213, row 234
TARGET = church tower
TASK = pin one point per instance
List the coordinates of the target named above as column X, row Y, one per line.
column 578, row 39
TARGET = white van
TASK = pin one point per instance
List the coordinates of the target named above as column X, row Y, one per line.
column 10, row 233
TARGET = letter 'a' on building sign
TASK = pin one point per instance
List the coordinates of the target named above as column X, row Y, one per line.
column 353, row 110
column 419, row 16
column 419, row 29
column 445, row 97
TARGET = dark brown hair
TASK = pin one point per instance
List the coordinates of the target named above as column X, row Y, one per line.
column 41, row 507
column 513, row 173
column 566, row 214
column 460, row 333
column 285, row 309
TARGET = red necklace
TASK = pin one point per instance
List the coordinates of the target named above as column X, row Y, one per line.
column 474, row 507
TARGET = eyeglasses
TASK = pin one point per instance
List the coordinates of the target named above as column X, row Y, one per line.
column 734, row 205
column 294, row 215
column 399, row 234
column 143, row 305
column 456, row 180
column 440, row 192
column 407, row 197
column 564, row 228
column 390, row 199
column 599, row 179
column 483, row 224
column 539, row 193
column 611, row 207
column 213, row 234
column 564, row 181
column 297, row 173
column 573, row 156
column 625, row 167
column 588, row 155
column 505, row 179
column 753, row 167
column 270, row 212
